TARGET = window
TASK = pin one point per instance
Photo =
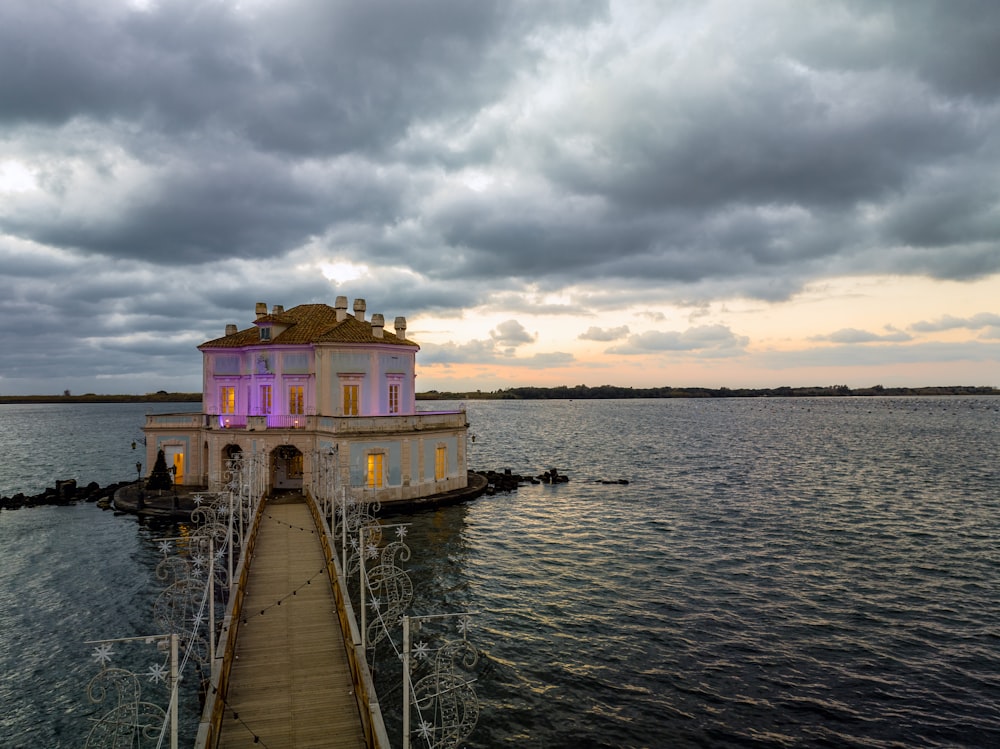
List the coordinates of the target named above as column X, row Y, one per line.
column 440, row 463
column 394, row 399
column 296, row 399
column 351, row 400
column 265, row 399
column 227, row 399
column 265, row 333
column 375, row 466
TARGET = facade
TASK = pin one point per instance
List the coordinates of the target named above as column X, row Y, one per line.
column 307, row 386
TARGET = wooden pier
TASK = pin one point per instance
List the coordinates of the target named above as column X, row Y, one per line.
column 290, row 682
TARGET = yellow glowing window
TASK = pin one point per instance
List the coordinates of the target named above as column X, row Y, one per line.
column 296, row 399
column 350, row 400
column 375, row 465
column 227, row 399
column 265, row 399
column 440, row 463
column 394, row 399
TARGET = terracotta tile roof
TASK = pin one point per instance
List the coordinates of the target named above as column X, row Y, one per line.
column 308, row 323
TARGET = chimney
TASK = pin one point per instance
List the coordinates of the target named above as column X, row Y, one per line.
column 340, row 307
column 378, row 325
column 277, row 309
column 359, row 309
column 261, row 309
column 401, row 327
column 231, row 328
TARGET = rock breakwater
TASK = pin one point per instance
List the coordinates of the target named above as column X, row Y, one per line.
column 65, row 492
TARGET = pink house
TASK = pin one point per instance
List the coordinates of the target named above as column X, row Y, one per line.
column 307, row 384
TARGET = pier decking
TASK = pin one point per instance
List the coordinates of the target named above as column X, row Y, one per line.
column 290, row 683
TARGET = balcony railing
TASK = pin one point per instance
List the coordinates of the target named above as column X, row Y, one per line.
column 417, row 422
column 185, row 420
column 420, row 421
column 291, row 421
column 232, row 421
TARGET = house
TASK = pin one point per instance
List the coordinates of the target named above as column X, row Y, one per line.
column 310, row 387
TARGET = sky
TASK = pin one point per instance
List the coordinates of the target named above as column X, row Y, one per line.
column 703, row 193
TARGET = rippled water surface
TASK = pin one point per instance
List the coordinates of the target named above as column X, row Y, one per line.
column 777, row 572
column 43, row 442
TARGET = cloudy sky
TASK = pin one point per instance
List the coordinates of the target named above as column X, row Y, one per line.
column 687, row 193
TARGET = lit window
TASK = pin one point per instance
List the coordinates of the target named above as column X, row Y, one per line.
column 227, row 399
column 440, row 463
column 296, row 399
column 350, row 400
column 265, row 399
column 394, row 399
column 375, row 465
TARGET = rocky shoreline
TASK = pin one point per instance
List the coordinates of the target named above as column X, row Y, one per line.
column 65, row 492
column 126, row 496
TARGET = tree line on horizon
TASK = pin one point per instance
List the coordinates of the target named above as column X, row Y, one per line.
column 585, row 392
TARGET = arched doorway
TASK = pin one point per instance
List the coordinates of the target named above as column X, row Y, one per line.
column 286, row 463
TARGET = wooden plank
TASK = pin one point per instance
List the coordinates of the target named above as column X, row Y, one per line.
column 291, row 682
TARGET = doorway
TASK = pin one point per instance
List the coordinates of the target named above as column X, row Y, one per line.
column 286, row 462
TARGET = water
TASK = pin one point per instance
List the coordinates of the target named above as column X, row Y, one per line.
column 800, row 572
column 43, row 442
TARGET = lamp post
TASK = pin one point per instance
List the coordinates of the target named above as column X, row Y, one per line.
column 140, row 501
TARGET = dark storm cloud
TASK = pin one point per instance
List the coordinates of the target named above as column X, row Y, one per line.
column 213, row 96
column 202, row 212
column 301, row 77
column 726, row 160
column 953, row 46
column 772, row 164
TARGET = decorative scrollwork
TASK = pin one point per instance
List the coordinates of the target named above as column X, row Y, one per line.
column 129, row 722
column 445, row 698
column 391, row 586
column 180, row 609
column 365, row 540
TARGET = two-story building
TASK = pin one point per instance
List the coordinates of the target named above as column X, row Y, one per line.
column 309, row 384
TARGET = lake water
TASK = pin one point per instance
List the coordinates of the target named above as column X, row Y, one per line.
column 776, row 573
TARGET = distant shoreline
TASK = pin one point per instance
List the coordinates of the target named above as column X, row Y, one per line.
column 92, row 398
column 579, row 392
column 583, row 392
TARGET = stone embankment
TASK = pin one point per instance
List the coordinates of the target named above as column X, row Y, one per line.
column 65, row 492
